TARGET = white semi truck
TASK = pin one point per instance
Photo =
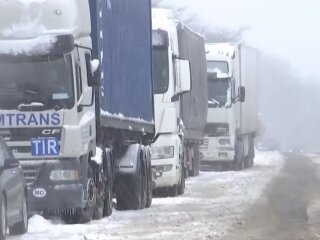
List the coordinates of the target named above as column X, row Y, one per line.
column 76, row 102
column 180, row 86
column 232, row 122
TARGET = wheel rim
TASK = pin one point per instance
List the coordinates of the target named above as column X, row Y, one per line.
column 91, row 192
column 3, row 218
column 25, row 213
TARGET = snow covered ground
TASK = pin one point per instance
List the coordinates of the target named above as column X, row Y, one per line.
column 213, row 203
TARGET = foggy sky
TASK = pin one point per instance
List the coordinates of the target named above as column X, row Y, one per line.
column 288, row 29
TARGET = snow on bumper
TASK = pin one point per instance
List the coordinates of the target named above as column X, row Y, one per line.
column 165, row 161
column 217, row 150
column 167, row 173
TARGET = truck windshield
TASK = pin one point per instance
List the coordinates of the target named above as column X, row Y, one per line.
column 160, row 70
column 218, row 66
column 46, row 83
column 218, row 92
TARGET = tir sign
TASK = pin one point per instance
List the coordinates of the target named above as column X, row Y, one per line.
column 45, row 147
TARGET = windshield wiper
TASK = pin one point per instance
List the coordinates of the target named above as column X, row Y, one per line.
column 34, row 106
column 214, row 101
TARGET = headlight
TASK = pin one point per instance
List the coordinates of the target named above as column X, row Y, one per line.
column 64, row 175
column 162, row 152
column 164, row 168
column 224, row 141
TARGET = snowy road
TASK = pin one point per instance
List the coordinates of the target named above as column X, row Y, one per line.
column 213, row 204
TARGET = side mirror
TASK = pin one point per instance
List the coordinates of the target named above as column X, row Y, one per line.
column 183, row 74
column 11, row 163
column 242, row 94
column 93, row 73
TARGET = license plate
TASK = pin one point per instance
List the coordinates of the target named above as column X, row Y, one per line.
column 45, row 147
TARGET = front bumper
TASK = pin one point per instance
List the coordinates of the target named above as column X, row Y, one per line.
column 165, row 178
column 57, row 197
column 47, row 195
column 218, row 155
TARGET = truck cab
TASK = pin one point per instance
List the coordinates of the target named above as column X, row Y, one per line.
column 47, row 105
column 232, row 122
column 219, row 138
column 169, row 85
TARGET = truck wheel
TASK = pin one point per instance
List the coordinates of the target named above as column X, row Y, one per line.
column 144, row 187
column 182, row 184
column 100, row 195
column 238, row 163
column 85, row 215
column 108, row 204
column 195, row 161
column 129, row 191
column 3, row 217
column 173, row 191
column 149, row 180
column 22, row 226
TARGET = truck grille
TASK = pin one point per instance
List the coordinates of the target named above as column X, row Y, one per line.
column 31, row 170
column 204, row 145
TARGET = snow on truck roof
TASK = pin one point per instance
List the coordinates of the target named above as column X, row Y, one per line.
column 27, row 19
column 224, row 50
column 163, row 19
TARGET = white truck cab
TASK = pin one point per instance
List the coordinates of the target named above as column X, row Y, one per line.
column 180, row 102
column 167, row 150
column 231, row 124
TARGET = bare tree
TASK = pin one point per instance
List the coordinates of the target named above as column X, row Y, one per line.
column 192, row 20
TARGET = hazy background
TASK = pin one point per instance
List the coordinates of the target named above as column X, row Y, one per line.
column 287, row 35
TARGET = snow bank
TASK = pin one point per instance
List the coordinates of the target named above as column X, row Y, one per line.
column 213, row 203
column 37, row 224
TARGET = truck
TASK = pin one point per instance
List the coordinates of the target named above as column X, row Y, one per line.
column 180, row 86
column 77, row 105
column 232, row 124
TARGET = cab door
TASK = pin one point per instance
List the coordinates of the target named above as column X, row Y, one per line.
column 12, row 182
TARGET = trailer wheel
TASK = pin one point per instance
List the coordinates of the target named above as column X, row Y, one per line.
column 249, row 161
column 238, row 163
column 149, row 179
column 108, row 204
column 130, row 190
column 195, row 161
column 144, row 186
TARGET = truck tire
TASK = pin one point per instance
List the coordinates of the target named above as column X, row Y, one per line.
column 84, row 215
column 149, row 179
column 22, row 226
column 108, row 200
column 195, row 171
column 100, row 183
column 182, row 184
column 130, row 191
column 249, row 161
column 173, row 191
column 238, row 163
column 3, row 217
column 144, row 186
